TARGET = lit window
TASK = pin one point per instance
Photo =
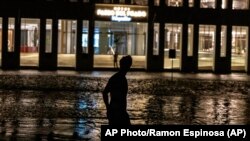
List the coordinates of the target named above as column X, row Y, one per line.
column 11, row 34
column 174, row 3
column 29, row 41
column 156, row 39
column 239, row 47
column 190, row 39
column 206, row 46
column 224, row 4
column 223, row 41
column 173, row 41
column 208, row 3
column 85, row 29
column 191, row 3
column 48, row 38
column 66, row 42
column 240, row 4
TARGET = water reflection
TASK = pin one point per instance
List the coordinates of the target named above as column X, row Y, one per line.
column 40, row 115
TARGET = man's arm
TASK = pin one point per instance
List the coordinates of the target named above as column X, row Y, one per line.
column 105, row 99
column 105, row 95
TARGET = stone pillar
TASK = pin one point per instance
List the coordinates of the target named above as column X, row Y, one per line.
column 154, row 62
column 103, row 41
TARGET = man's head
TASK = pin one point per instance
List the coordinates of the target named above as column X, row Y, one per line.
column 125, row 63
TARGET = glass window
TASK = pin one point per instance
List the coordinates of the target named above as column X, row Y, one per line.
column 85, row 36
column 208, row 3
column 156, row 39
column 122, row 38
column 206, row 46
column 239, row 47
column 29, row 42
column 67, row 42
column 223, row 41
column 174, row 3
column 11, row 34
column 191, row 3
column 224, row 4
column 48, row 38
column 190, row 40
column 173, row 40
column 240, row 4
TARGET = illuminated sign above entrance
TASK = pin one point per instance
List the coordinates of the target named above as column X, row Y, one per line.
column 121, row 13
column 121, row 19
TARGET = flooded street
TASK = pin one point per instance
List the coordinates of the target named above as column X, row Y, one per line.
column 75, row 115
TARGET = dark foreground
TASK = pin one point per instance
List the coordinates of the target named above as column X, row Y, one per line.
column 28, row 115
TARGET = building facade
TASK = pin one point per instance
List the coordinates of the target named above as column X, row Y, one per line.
column 160, row 35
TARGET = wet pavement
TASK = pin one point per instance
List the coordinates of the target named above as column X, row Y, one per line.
column 131, row 74
column 76, row 113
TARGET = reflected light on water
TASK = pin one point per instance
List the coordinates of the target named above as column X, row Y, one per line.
column 204, row 111
column 64, row 104
column 80, row 128
column 221, row 110
column 67, row 115
column 82, row 104
column 238, row 111
column 172, row 108
column 28, row 101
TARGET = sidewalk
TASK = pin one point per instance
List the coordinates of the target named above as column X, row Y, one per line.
column 139, row 81
column 131, row 74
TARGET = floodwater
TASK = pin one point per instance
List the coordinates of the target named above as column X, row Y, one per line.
column 69, row 115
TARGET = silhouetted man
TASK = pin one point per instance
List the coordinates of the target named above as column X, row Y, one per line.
column 117, row 87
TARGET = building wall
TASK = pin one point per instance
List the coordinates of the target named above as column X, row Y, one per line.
column 214, row 13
